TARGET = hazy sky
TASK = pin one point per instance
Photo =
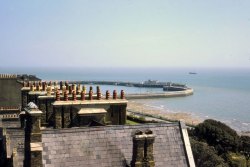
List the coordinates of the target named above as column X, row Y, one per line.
column 125, row 33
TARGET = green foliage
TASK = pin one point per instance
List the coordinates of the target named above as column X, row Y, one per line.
column 219, row 135
column 223, row 141
column 245, row 148
column 129, row 122
column 142, row 118
column 206, row 156
column 139, row 119
column 236, row 160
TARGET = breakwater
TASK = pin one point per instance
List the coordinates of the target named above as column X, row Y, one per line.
column 169, row 89
column 146, row 84
column 186, row 92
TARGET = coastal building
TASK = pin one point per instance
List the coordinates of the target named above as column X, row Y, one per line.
column 135, row 146
column 66, row 125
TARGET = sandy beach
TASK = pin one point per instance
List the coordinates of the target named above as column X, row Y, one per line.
column 139, row 107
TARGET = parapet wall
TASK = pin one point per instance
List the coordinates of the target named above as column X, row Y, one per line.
column 10, row 88
column 4, row 76
column 10, row 91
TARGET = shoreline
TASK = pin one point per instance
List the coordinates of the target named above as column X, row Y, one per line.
column 168, row 115
column 143, row 109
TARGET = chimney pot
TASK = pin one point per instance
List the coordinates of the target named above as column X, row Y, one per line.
column 82, row 95
column 32, row 87
column 67, row 85
column 61, row 85
column 74, row 95
column 49, row 91
column 64, row 89
column 98, row 93
column 66, row 98
column 107, row 95
column 84, row 89
column 37, row 87
column 57, row 95
column 122, row 94
column 114, row 94
column 90, row 95
column 70, row 89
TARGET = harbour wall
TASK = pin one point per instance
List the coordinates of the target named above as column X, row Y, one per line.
column 183, row 93
column 122, row 83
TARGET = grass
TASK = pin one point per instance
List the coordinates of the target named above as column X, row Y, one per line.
column 129, row 122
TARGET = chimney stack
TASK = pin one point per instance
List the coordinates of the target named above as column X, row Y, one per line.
column 143, row 149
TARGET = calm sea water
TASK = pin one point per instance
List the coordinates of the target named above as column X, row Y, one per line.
column 222, row 94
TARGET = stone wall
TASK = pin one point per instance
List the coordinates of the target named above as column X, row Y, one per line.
column 9, row 117
column 116, row 108
column 67, row 115
column 15, row 146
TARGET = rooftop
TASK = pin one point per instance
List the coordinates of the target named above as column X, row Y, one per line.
column 111, row 146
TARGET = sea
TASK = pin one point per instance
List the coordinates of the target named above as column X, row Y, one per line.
column 219, row 93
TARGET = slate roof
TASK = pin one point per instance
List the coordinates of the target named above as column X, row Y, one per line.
column 110, row 146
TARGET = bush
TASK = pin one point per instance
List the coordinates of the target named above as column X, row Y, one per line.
column 236, row 160
column 206, row 156
column 245, row 147
column 219, row 135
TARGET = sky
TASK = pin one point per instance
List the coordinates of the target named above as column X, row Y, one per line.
column 125, row 33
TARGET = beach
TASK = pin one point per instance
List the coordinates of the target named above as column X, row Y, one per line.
column 137, row 106
column 159, row 112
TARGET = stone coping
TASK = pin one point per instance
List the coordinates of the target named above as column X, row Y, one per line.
column 61, row 96
column 80, row 102
column 33, row 111
column 108, row 127
column 36, row 146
